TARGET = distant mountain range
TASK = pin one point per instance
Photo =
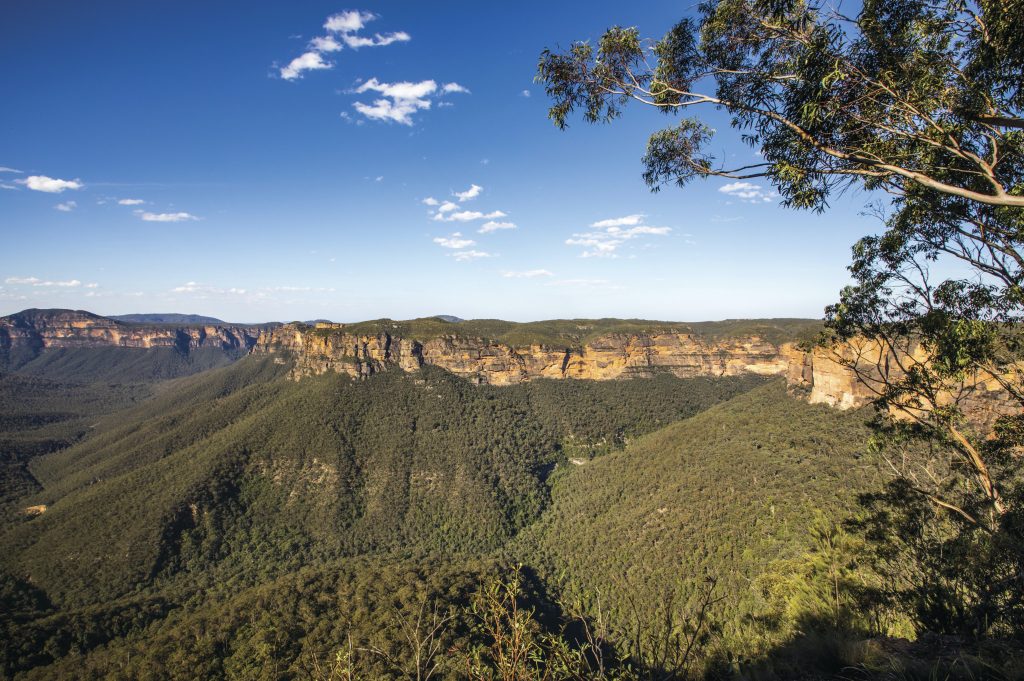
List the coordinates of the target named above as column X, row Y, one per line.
column 166, row 318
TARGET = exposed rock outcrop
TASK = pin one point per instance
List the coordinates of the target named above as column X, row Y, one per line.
column 856, row 372
column 848, row 376
column 25, row 334
column 612, row 356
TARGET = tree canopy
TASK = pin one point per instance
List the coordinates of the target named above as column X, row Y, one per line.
column 917, row 102
column 905, row 96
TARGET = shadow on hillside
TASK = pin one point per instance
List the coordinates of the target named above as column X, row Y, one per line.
column 821, row 652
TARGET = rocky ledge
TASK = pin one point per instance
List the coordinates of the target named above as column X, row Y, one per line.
column 823, row 375
column 484, row 361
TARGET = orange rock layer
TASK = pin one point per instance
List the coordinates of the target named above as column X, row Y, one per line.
column 825, row 376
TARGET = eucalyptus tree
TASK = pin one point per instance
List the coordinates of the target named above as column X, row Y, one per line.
column 920, row 104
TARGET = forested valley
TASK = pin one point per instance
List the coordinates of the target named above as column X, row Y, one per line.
column 233, row 523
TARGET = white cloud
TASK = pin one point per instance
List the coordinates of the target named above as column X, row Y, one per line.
column 468, row 216
column 348, row 22
column 326, row 43
column 203, row 290
column 5, row 169
column 453, row 88
column 308, row 61
column 595, row 247
column 463, row 256
column 619, row 222
column 528, row 274
column 387, row 110
column 638, row 231
column 344, row 27
column 165, row 217
column 8, row 186
column 525, row 93
column 400, row 90
column 431, row 201
column 399, row 100
column 378, row 40
column 471, row 193
column 36, row 281
column 130, row 202
column 748, row 191
column 448, row 207
column 606, row 236
column 42, row 183
column 492, row 226
column 66, row 207
column 454, row 241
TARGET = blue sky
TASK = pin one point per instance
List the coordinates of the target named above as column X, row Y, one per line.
column 177, row 156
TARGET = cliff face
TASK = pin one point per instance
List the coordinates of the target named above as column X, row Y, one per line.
column 611, row 356
column 824, row 375
column 857, row 372
column 25, row 334
column 846, row 377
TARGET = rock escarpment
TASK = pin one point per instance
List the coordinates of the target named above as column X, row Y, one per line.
column 856, row 372
column 611, row 356
column 26, row 334
column 848, row 376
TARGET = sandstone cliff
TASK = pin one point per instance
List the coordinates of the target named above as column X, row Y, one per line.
column 854, row 373
column 484, row 361
column 607, row 352
column 849, row 376
column 25, row 334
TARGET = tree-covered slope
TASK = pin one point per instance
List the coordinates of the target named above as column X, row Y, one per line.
column 721, row 496
column 235, row 521
column 242, row 469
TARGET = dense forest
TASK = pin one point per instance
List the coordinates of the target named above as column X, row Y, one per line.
column 236, row 524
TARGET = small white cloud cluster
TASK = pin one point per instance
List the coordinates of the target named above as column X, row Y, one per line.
column 748, row 192
column 492, row 226
column 204, row 290
column 53, row 185
column 342, row 30
column 146, row 216
column 454, row 241
column 460, row 247
column 451, row 211
column 471, row 193
column 399, row 101
column 46, row 283
column 50, row 185
column 606, row 236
